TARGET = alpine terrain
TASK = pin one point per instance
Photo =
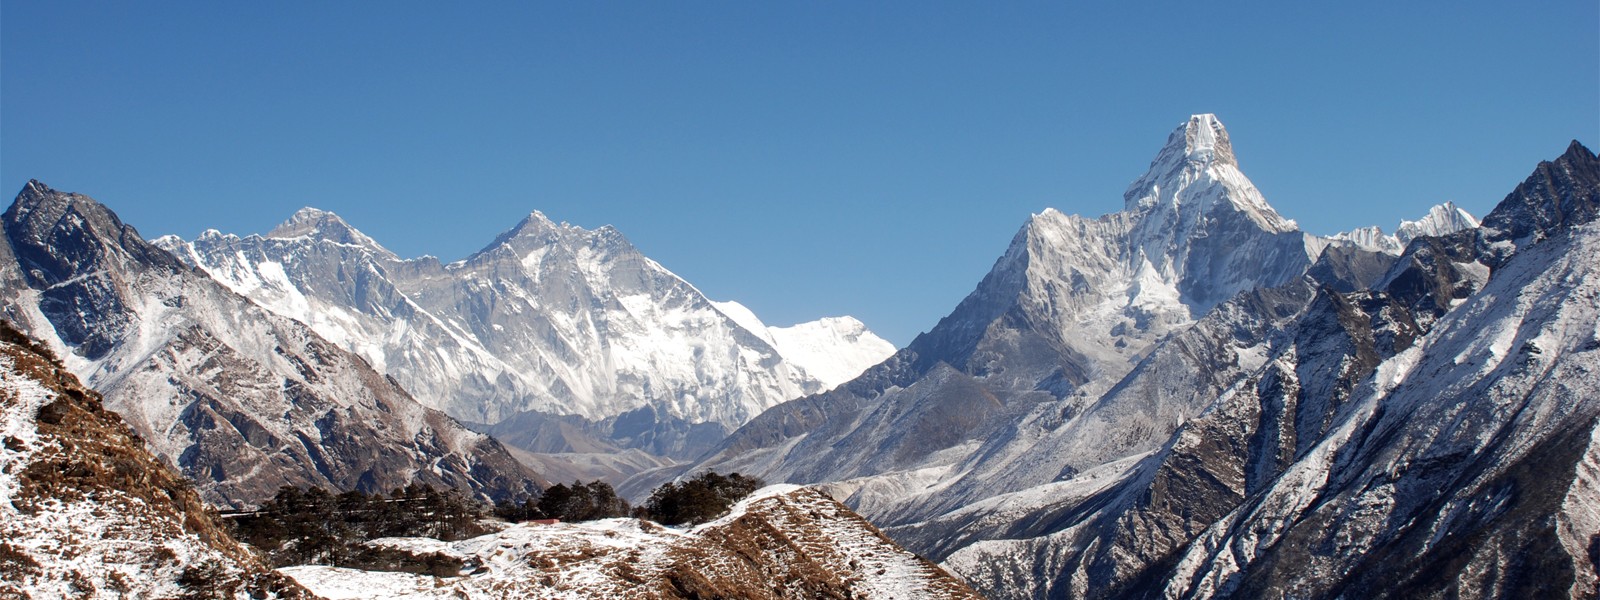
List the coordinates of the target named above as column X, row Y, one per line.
column 1192, row 398
column 239, row 399
column 86, row 512
column 556, row 338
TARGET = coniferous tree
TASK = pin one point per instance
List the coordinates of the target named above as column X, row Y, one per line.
column 699, row 499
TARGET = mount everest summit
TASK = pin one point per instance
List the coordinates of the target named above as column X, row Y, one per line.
column 294, row 358
column 547, row 321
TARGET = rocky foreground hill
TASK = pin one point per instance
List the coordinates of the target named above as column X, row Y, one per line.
column 782, row 542
column 86, row 511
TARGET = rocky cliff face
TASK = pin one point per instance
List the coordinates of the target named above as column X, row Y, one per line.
column 239, row 399
column 781, row 543
column 86, row 511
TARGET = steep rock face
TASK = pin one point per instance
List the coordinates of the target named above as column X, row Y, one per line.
column 549, row 318
column 1469, row 468
column 239, row 399
column 1204, row 227
column 1262, row 377
column 85, row 511
column 1560, row 193
column 781, row 543
column 1066, row 312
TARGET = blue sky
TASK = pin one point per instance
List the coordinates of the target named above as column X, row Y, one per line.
column 805, row 159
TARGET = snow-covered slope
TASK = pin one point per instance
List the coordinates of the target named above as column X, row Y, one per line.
column 831, row 349
column 240, row 399
column 548, row 317
column 1469, row 467
column 782, row 542
column 85, row 512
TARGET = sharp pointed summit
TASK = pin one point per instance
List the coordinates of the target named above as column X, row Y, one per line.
column 1558, row 194
column 1175, row 395
column 1195, row 173
column 534, row 231
column 1205, row 140
column 1073, row 305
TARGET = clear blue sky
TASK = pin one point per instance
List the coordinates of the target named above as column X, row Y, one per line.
column 806, row 159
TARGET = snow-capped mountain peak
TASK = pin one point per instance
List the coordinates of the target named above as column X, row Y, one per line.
column 1441, row 219
column 538, row 231
column 136, row 323
column 831, row 349
column 318, row 224
column 535, row 223
column 1195, row 173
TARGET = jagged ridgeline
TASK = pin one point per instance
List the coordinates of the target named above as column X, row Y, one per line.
column 558, row 339
column 1187, row 398
column 1192, row 398
column 239, row 399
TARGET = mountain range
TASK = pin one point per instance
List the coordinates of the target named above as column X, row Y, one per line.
column 549, row 322
column 239, row 399
column 87, row 511
column 1189, row 397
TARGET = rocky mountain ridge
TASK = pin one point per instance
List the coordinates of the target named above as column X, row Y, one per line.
column 1072, row 306
column 237, row 398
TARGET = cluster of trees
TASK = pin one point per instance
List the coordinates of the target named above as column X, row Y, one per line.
column 699, row 499
column 577, row 502
column 314, row 526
